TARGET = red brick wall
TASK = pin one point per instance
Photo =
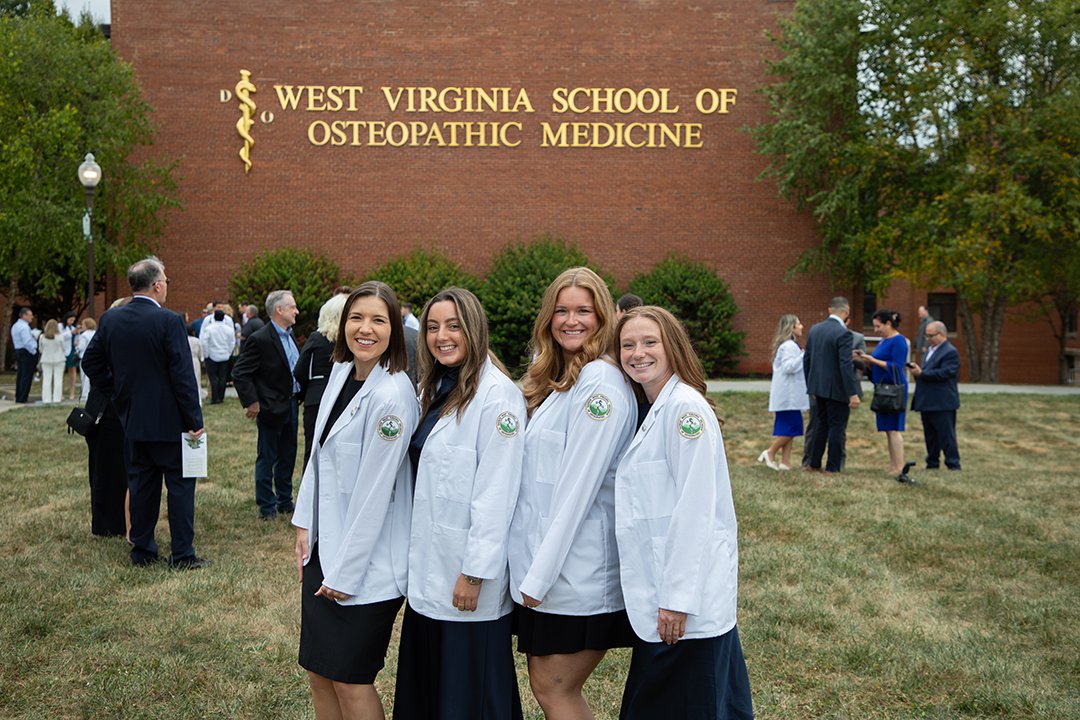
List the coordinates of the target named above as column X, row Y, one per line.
column 361, row 206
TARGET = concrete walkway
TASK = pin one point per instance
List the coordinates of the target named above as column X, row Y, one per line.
column 7, row 392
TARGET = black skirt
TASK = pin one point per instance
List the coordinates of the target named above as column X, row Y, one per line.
column 691, row 680
column 345, row 643
column 549, row 634
column 455, row 670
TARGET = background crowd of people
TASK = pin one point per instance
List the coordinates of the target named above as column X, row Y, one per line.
column 825, row 378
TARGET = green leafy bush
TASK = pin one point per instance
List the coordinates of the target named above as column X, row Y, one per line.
column 311, row 278
column 514, row 288
column 418, row 276
column 702, row 301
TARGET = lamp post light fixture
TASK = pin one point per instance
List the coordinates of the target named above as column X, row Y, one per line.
column 89, row 176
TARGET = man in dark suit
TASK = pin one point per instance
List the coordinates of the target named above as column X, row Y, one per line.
column 141, row 357
column 830, row 381
column 920, row 342
column 263, row 378
column 937, row 397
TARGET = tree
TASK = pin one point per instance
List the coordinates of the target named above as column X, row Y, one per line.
column 311, row 278
column 934, row 142
column 514, row 288
column 63, row 93
column 702, row 301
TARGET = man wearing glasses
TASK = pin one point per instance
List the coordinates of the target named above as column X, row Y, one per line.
column 937, row 397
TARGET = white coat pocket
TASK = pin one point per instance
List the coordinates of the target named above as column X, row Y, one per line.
column 454, row 486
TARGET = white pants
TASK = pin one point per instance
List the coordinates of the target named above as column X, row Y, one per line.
column 52, row 382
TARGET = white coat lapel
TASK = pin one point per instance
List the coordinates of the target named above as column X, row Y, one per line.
column 346, row 416
column 654, row 412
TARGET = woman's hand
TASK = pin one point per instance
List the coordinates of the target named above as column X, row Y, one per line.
column 671, row 625
column 302, row 551
column 529, row 601
column 466, row 594
column 331, row 594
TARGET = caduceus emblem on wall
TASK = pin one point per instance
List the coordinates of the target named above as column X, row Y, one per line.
column 244, row 88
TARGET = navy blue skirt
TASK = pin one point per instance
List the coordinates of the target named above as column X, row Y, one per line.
column 788, row 423
column 455, row 670
column 691, row 680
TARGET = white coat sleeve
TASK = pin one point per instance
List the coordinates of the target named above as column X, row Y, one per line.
column 693, row 519
column 790, row 358
column 304, row 514
column 373, row 481
column 590, row 450
column 495, row 485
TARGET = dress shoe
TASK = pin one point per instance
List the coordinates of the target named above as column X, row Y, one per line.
column 784, row 467
column 286, row 509
column 764, row 458
column 192, row 563
column 268, row 516
column 147, row 561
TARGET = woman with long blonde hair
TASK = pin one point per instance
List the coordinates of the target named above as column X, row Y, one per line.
column 787, row 392
column 564, row 570
column 51, row 350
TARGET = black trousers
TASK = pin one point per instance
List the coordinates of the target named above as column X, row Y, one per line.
column 218, row 374
column 939, row 432
column 147, row 463
column 831, row 418
column 108, row 477
column 25, row 365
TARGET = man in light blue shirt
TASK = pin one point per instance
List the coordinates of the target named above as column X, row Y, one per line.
column 25, row 354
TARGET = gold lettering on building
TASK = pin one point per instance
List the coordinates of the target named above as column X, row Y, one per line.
column 624, row 101
column 457, row 99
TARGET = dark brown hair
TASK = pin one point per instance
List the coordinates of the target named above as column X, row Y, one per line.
column 395, row 359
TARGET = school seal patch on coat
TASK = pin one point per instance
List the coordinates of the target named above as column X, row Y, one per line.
column 390, row 427
column 598, row 407
column 507, row 424
column 691, row 425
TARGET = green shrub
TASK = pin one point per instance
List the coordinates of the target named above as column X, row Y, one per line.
column 418, row 276
column 701, row 300
column 311, row 278
column 513, row 290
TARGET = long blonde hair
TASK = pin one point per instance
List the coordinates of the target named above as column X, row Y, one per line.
column 51, row 329
column 679, row 350
column 785, row 330
column 474, row 327
column 549, row 371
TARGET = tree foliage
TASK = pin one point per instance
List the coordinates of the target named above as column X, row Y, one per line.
column 418, row 276
column 703, row 302
column 311, row 278
column 63, row 93
column 935, row 142
column 514, row 287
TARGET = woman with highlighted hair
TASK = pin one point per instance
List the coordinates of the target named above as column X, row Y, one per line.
column 564, row 569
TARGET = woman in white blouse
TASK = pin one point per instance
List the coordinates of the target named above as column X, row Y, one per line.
column 787, row 392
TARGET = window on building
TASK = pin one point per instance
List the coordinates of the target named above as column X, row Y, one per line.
column 1070, row 324
column 869, row 307
column 942, row 306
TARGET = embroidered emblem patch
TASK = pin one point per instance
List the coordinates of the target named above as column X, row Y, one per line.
column 598, row 407
column 507, row 424
column 390, row 427
column 691, row 425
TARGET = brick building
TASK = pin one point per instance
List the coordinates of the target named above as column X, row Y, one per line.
column 381, row 126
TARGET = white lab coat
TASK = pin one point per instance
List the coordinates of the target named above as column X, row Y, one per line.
column 675, row 520
column 466, row 489
column 787, row 391
column 356, row 496
column 562, row 538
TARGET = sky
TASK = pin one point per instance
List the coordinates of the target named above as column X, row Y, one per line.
column 100, row 9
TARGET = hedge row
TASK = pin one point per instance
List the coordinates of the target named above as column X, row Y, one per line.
column 511, row 292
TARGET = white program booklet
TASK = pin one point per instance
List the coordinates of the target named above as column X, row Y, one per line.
column 193, row 455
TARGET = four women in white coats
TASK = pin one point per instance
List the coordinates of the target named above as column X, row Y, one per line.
column 677, row 539
column 354, row 508
column 787, row 392
column 564, row 568
column 456, row 659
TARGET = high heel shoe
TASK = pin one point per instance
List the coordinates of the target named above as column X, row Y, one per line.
column 764, row 458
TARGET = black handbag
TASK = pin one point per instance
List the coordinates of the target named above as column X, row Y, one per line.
column 888, row 397
column 81, row 422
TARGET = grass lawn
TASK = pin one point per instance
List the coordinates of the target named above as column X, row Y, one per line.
column 859, row 598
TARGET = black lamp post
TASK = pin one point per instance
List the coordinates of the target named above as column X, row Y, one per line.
column 89, row 176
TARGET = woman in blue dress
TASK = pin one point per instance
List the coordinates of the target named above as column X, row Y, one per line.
column 887, row 365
